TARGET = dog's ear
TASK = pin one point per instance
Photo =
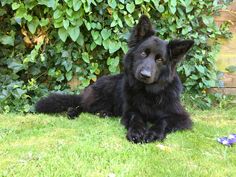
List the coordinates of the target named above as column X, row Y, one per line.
column 141, row 31
column 178, row 48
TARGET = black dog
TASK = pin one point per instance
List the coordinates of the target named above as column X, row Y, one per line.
column 146, row 95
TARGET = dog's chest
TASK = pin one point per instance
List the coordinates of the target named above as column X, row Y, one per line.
column 148, row 105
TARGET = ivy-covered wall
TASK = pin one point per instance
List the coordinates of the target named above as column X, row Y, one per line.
column 45, row 43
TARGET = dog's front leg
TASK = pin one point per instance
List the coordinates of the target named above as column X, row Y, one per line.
column 156, row 132
column 135, row 125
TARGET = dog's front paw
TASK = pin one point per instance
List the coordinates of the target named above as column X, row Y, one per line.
column 152, row 135
column 136, row 135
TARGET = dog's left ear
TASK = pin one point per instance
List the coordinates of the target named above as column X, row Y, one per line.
column 141, row 31
column 178, row 48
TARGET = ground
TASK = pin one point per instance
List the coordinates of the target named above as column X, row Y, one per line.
column 40, row 145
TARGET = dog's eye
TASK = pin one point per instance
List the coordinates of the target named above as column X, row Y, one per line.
column 159, row 59
column 144, row 54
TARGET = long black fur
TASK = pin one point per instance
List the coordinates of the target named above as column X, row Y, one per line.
column 146, row 95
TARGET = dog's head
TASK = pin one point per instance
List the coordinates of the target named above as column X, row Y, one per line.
column 152, row 60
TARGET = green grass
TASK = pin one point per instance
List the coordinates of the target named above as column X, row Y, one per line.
column 40, row 145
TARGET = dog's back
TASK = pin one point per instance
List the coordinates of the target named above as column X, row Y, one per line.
column 103, row 97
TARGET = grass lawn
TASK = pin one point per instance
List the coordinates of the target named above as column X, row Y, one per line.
column 40, row 145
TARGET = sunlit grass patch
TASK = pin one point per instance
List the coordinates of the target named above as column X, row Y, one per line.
column 42, row 145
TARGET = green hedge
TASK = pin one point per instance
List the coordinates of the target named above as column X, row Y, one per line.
column 45, row 43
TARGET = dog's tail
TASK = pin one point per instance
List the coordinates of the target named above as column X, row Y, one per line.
column 56, row 103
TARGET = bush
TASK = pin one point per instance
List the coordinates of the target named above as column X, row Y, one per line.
column 47, row 43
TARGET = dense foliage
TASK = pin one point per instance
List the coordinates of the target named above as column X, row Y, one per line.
column 44, row 44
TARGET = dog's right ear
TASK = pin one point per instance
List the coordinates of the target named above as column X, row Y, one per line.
column 141, row 31
column 178, row 48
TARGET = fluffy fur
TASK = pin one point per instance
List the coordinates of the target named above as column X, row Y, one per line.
column 146, row 95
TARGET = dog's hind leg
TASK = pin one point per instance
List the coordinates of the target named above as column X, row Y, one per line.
column 178, row 121
column 73, row 112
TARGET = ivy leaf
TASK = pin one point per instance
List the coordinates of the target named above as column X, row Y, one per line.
column 80, row 40
column 4, row 2
column 57, row 14
column 113, row 23
column 21, row 11
column 17, row 93
column 186, row 30
column 114, row 46
column 113, row 61
column 33, row 24
column 129, row 20
column 187, row 70
column 69, row 75
column 66, row 24
column 76, row 5
column 15, row 6
column 93, row 45
column 85, row 57
column 28, row 18
column 88, row 25
column 189, row 8
column 130, row 7
column 16, row 66
column 98, row 41
column 194, row 77
column 7, row 40
column 105, row 33
column 106, row 43
column 58, row 23
column 20, row 92
column 49, row 3
column 172, row 6
column 209, row 83
column 124, row 47
column 44, row 22
column 63, row 34
column 113, row 64
column 65, row 54
column 200, row 68
column 186, row 3
column 207, row 20
column 98, row 26
column 95, row 34
column 138, row 2
column 161, row 8
column 156, row 3
column 51, row 72
column 112, row 3
column 2, row 12
column 231, row 69
column 67, row 64
column 69, row 12
column 173, row 3
column 74, row 32
column 172, row 9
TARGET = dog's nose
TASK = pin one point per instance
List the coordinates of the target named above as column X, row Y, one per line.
column 145, row 74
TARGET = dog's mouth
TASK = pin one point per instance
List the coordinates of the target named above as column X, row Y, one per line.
column 145, row 80
column 153, row 80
